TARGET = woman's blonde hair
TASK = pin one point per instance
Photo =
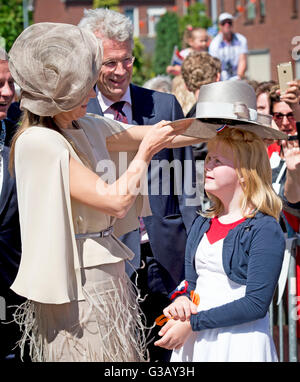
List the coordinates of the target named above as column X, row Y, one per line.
column 29, row 119
column 253, row 169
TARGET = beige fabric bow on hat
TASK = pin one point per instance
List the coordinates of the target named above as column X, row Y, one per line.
column 55, row 65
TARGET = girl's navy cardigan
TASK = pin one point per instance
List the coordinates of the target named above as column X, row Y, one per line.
column 252, row 255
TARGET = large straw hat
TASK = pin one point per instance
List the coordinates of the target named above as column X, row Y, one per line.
column 55, row 65
column 231, row 103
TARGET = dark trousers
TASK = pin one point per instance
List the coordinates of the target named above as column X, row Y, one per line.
column 9, row 330
column 152, row 306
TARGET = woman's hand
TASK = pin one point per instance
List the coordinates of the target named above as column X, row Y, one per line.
column 291, row 152
column 160, row 136
column 292, row 97
column 180, row 309
column 174, row 334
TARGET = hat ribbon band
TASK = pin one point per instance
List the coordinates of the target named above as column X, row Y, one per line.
column 236, row 110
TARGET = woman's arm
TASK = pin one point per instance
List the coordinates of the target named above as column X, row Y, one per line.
column 291, row 152
column 130, row 139
column 242, row 65
column 116, row 199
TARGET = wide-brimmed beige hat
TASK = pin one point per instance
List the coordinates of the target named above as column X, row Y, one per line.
column 56, row 65
column 230, row 103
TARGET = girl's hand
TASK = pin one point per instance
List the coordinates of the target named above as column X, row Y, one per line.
column 174, row 334
column 180, row 309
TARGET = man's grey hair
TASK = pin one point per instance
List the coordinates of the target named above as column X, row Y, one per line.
column 110, row 24
column 3, row 55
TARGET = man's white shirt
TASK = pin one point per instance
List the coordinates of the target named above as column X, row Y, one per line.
column 228, row 53
column 105, row 104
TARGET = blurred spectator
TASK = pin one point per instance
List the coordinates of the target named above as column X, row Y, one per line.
column 285, row 158
column 198, row 69
column 185, row 98
column 231, row 48
column 194, row 40
column 159, row 83
column 252, row 83
column 285, row 163
column 10, row 242
column 262, row 96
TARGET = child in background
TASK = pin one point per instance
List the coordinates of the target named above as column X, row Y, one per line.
column 233, row 259
column 194, row 40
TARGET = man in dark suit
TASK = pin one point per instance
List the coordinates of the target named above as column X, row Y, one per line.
column 10, row 242
column 163, row 242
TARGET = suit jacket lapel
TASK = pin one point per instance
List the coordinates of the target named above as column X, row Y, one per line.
column 94, row 106
column 8, row 182
column 142, row 106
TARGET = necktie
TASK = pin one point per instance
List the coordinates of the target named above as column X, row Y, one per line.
column 2, row 143
column 2, row 135
column 119, row 114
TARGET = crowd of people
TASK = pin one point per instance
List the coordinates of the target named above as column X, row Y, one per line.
column 121, row 203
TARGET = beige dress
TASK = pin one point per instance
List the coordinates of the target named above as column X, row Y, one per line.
column 80, row 305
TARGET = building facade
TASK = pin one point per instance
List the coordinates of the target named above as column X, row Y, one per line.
column 272, row 30
column 144, row 14
column 271, row 26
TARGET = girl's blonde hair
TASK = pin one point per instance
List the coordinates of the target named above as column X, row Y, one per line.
column 29, row 119
column 254, row 171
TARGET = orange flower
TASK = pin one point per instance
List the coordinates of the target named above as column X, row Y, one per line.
column 195, row 297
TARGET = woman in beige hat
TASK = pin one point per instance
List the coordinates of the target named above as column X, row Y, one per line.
column 80, row 304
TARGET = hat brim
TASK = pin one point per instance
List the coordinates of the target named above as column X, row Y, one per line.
column 207, row 128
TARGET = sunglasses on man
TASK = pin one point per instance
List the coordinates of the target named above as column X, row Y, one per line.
column 226, row 22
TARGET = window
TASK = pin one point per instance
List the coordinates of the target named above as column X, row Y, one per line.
column 129, row 13
column 213, row 7
column 295, row 9
column 262, row 10
column 133, row 15
column 239, row 9
column 259, row 65
column 251, row 9
column 154, row 15
column 222, row 6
